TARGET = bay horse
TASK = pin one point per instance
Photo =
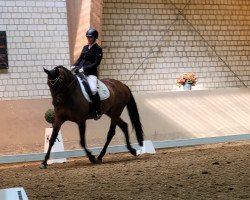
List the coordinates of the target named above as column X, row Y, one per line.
column 70, row 105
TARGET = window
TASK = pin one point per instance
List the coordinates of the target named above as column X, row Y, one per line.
column 3, row 51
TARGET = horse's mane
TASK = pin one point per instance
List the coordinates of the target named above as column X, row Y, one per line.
column 65, row 74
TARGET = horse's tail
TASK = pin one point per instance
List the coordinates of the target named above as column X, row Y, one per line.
column 135, row 119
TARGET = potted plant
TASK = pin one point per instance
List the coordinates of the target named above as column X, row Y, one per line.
column 50, row 116
column 187, row 80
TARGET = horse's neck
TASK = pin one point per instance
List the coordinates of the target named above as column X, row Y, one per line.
column 65, row 96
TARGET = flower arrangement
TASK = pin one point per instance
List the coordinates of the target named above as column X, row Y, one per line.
column 186, row 78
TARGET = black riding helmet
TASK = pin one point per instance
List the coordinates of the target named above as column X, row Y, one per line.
column 92, row 33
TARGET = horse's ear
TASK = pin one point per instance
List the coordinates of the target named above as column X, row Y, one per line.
column 57, row 71
column 46, row 71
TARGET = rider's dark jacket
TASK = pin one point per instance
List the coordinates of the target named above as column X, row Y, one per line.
column 90, row 59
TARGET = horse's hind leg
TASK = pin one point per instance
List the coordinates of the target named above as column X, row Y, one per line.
column 83, row 143
column 124, row 127
column 111, row 134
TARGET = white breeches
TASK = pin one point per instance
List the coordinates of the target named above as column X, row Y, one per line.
column 92, row 81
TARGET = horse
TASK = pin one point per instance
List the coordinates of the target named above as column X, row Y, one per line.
column 70, row 105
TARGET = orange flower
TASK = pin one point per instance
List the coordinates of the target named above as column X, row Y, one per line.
column 186, row 78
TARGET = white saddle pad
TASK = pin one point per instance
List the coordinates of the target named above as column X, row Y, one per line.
column 102, row 90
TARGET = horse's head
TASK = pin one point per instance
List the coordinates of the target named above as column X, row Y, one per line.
column 53, row 75
column 59, row 76
column 59, row 80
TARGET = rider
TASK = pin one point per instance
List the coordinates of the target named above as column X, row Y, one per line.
column 87, row 63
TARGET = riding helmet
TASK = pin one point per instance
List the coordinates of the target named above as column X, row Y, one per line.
column 92, row 33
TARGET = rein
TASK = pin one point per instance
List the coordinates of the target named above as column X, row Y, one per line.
column 71, row 82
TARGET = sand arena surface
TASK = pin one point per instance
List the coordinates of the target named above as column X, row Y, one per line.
column 219, row 171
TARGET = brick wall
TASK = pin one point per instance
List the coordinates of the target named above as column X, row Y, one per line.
column 37, row 37
column 82, row 14
column 148, row 43
column 78, row 12
column 96, row 16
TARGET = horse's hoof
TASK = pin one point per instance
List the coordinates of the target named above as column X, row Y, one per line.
column 92, row 159
column 99, row 160
column 133, row 152
column 43, row 166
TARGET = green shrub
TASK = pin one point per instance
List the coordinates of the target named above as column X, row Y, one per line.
column 50, row 116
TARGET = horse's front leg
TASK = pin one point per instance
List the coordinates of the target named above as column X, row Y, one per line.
column 82, row 128
column 53, row 137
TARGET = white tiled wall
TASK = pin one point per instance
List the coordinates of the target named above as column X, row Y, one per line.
column 37, row 37
column 148, row 43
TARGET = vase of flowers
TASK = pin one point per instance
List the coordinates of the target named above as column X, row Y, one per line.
column 187, row 80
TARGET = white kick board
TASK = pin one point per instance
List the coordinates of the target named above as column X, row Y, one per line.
column 13, row 194
column 57, row 147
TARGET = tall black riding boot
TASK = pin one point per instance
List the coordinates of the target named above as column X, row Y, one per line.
column 96, row 106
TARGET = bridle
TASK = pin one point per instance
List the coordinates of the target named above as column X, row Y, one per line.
column 54, row 81
column 58, row 90
column 58, row 80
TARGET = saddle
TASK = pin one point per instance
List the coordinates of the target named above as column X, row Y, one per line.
column 101, row 87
